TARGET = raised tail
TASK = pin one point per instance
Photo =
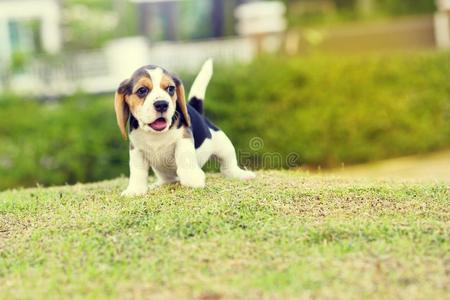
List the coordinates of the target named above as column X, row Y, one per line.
column 198, row 89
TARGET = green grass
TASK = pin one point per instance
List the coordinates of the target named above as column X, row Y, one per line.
column 286, row 235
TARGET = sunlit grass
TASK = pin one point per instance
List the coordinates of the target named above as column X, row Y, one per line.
column 286, row 235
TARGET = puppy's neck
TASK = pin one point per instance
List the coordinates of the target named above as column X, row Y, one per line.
column 148, row 137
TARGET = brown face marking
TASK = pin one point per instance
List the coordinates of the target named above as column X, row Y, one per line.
column 166, row 81
column 143, row 82
column 133, row 100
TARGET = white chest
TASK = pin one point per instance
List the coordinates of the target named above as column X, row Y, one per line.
column 158, row 149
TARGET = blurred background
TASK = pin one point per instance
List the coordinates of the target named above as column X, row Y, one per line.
column 356, row 87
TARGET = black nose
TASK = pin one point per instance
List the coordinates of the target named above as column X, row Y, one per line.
column 161, row 105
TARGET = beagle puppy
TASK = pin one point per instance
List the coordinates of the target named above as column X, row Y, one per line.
column 169, row 135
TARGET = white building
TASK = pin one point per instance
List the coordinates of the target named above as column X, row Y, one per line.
column 29, row 24
column 442, row 24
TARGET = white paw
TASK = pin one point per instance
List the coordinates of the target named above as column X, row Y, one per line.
column 240, row 174
column 134, row 191
column 194, row 178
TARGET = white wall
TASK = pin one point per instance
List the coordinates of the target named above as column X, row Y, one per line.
column 47, row 11
column 102, row 70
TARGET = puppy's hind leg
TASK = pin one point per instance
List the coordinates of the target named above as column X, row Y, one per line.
column 225, row 152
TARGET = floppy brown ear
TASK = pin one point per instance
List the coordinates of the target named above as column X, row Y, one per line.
column 121, row 108
column 181, row 98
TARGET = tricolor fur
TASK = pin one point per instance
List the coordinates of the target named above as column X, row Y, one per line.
column 172, row 137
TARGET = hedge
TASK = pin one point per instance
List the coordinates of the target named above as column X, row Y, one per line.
column 333, row 111
column 306, row 111
column 56, row 143
column 347, row 10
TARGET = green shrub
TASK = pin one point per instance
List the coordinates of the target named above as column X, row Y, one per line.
column 350, row 10
column 404, row 7
column 336, row 110
column 56, row 143
column 307, row 111
column 392, row 7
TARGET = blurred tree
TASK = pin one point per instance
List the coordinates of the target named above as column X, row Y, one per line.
column 317, row 12
column 365, row 7
column 91, row 23
column 144, row 11
column 404, row 7
column 169, row 17
column 217, row 18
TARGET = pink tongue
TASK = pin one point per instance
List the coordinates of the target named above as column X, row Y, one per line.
column 159, row 124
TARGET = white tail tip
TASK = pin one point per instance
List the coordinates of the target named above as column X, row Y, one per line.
column 200, row 84
column 208, row 67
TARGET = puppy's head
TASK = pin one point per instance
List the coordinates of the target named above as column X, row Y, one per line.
column 154, row 97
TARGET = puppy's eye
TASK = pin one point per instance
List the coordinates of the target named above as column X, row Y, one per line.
column 171, row 90
column 142, row 91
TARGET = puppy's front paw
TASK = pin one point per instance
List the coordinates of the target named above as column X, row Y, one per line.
column 134, row 191
column 194, row 178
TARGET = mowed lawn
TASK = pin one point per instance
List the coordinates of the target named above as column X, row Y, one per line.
column 285, row 235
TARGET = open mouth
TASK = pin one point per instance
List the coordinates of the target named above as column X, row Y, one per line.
column 159, row 124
